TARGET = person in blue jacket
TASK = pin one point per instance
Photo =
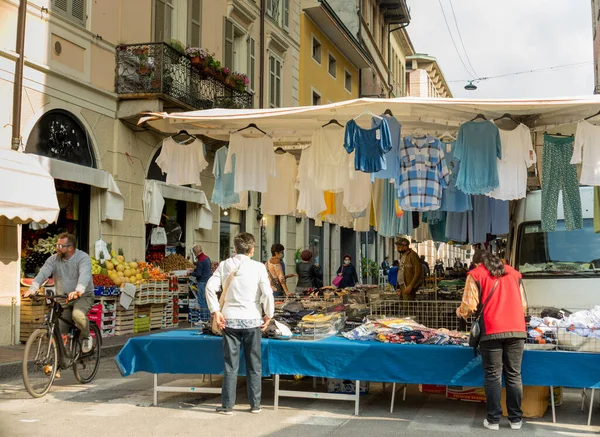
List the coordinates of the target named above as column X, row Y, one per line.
column 393, row 274
column 348, row 273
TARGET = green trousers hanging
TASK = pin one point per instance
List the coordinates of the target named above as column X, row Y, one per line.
column 559, row 174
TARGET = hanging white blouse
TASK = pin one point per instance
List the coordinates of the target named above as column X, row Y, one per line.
column 330, row 159
column 311, row 199
column 182, row 162
column 518, row 155
column 586, row 151
column 357, row 192
column 280, row 198
column 254, row 161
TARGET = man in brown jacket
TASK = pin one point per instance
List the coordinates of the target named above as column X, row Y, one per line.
column 410, row 270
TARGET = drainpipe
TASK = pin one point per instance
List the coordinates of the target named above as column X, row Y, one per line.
column 389, row 47
column 261, row 74
column 18, row 81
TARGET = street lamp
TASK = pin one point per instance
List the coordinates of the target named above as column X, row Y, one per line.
column 470, row 86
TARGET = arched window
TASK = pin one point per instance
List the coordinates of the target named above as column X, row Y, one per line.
column 60, row 135
column 154, row 171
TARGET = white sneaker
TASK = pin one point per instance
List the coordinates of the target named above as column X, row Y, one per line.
column 492, row 426
column 87, row 344
column 516, row 425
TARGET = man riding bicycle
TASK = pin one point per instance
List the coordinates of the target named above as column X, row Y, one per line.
column 72, row 272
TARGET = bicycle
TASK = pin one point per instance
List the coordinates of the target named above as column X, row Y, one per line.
column 47, row 351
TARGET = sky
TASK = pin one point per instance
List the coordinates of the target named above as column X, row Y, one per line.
column 507, row 36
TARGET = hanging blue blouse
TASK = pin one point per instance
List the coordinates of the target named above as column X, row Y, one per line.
column 223, row 194
column 392, row 158
column 371, row 145
column 453, row 200
column 478, row 150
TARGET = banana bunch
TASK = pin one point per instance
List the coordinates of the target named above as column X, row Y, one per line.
column 96, row 267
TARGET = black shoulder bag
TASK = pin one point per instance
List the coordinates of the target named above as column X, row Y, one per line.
column 475, row 334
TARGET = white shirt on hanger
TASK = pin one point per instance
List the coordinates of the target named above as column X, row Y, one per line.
column 280, row 198
column 182, row 162
column 255, row 160
column 518, row 155
column 330, row 159
column 357, row 191
column 586, row 151
column 311, row 199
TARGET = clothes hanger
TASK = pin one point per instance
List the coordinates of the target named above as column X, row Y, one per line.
column 252, row 126
column 507, row 115
column 280, row 151
column 558, row 134
column 367, row 112
column 388, row 112
column 184, row 132
column 332, row 121
column 447, row 134
column 419, row 133
column 592, row 116
column 478, row 116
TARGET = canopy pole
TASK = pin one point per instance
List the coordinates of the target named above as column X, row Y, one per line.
column 18, row 81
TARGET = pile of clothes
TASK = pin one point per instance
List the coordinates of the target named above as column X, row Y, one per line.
column 313, row 327
column 405, row 331
column 563, row 328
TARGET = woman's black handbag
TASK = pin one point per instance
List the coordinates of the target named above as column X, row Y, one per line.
column 475, row 334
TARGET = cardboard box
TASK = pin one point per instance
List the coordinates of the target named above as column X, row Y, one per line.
column 535, row 401
column 432, row 389
column 471, row 394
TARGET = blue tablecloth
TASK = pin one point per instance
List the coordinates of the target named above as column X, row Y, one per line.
column 181, row 351
column 337, row 357
column 184, row 351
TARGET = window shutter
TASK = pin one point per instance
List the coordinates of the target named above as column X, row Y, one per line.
column 285, row 21
column 195, row 23
column 251, row 62
column 78, row 11
column 228, row 44
column 159, row 20
column 168, row 19
column 73, row 10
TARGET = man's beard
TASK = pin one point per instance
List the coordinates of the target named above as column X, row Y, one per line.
column 61, row 255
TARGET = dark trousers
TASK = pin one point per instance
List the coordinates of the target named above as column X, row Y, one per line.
column 503, row 357
column 233, row 340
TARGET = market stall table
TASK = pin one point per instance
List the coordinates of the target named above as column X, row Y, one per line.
column 337, row 357
column 179, row 352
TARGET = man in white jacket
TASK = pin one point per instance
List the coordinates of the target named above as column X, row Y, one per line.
column 241, row 319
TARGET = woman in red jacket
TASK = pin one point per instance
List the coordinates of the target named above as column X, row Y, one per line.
column 503, row 333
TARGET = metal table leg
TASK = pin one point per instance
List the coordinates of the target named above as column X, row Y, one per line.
column 591, row 407
column 155, row 389
column 357, row 399
column 553, row 406
column 276, row 401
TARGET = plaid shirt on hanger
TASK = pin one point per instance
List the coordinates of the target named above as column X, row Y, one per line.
column 423, row 173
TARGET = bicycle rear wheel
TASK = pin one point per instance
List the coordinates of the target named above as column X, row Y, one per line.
column 40, row 362
column 86, row 366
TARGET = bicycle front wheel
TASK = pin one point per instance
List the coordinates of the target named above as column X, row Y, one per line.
column 40, row 362
column 86, row 367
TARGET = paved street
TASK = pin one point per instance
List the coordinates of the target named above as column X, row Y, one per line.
column 118, row 406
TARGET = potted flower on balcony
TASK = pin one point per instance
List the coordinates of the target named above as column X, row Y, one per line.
column 199, row 57
column 238, row 81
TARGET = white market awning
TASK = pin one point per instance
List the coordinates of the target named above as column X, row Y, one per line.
column 434, row 115
column 27, row 192
column 155, row 193
column 113, row 202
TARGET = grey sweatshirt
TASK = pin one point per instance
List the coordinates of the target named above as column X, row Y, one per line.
column 73, row 274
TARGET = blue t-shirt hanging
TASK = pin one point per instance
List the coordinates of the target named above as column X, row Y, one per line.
column 392, row 158
column 371, row 145
column 453, row 200
column 478, row 150
column 223, row 193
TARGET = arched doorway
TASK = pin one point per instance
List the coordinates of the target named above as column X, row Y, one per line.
column 59, row 135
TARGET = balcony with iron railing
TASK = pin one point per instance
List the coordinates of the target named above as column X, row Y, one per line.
column 158, row 70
